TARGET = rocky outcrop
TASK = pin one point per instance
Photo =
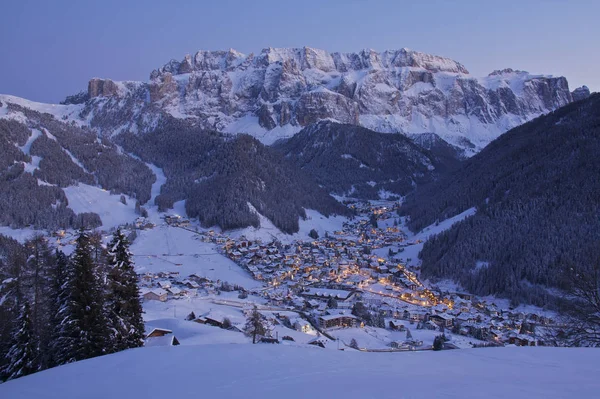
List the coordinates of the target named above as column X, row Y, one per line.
column 102, row 88
column 580, row 93
column 283, row 90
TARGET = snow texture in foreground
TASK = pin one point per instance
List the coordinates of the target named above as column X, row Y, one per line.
column 277, row 371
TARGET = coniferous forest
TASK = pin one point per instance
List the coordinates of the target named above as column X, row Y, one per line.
column 57, row 309
column 536, row 191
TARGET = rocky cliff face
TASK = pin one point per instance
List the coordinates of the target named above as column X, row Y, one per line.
column 580, row 93
column 276, row 93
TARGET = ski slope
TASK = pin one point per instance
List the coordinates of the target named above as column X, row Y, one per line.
column 86, row 198
column 281, row 371
column 166, row 248
column 412, row 251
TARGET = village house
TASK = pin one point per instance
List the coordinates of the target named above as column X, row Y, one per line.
column 302, row 325
column 442, row 319
column 161, row 337
column 395, row 324
column 155, row 294
column 338, row 320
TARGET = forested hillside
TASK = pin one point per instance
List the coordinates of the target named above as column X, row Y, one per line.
column 352, row 160
column 536, row 190
column 40, row 155
column 220, row 175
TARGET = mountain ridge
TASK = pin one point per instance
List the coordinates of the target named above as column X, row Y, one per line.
column 277, row 92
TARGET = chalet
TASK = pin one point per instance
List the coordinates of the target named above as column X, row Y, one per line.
column 522, row 340
column 338, row 320
column 156, row 294
column 161, row 337
column 172, row 219
column 191, row 284
column 416, row 315
column 395, row 324
column 165, row 284
column 158, row 332
column 302, row 325
column 442, row 319
column 209, row 321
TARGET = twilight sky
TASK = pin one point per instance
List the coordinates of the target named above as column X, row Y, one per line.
column 52, row 48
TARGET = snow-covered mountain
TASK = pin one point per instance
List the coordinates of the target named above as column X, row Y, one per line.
column 51, row 172
column 277, row 92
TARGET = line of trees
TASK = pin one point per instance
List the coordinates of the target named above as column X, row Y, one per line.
column 56, row 309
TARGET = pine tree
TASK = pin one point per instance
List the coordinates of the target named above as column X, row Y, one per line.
column 23, row 354
column 254, row 325
column 83, row 328
column 57, row 299
column 409, row 336
column 123, row 297
column 11, row 296
column 36, row 282
column 438, row 343
column 354, row 344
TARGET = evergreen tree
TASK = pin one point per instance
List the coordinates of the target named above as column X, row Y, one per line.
column 83, row 328
column 12, row 263
column 36, row 282
column 123, row 298
column 313, row 234
column 409, row 336
column 226, row 325
column 23, row 354
column 254, row 325
column 438, row 343
column 354, row 344
column 373, row 220
column 57, row 299
column 332, row 303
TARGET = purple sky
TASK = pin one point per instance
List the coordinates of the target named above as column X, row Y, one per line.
column 52, row 48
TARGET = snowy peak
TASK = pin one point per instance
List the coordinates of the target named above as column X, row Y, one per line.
column 309, row 58
column 275, row 93
column 580, row 93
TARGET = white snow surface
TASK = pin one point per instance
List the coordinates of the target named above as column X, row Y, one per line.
column 282, row 371
column 412, row 251
column 165, row 248
column 65, row 113
column 86, row 198
column 268, row 231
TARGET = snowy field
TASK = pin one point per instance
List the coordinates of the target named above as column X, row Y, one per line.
column 283, row 371
column 166, row 248
column 379, row 338
column 85, row 198
column 412, row 251
column 267, row 230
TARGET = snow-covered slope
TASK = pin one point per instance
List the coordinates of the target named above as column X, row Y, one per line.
column 278, row 371
column 275, row 93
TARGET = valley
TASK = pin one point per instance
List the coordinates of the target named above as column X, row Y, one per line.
column 298, row 221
